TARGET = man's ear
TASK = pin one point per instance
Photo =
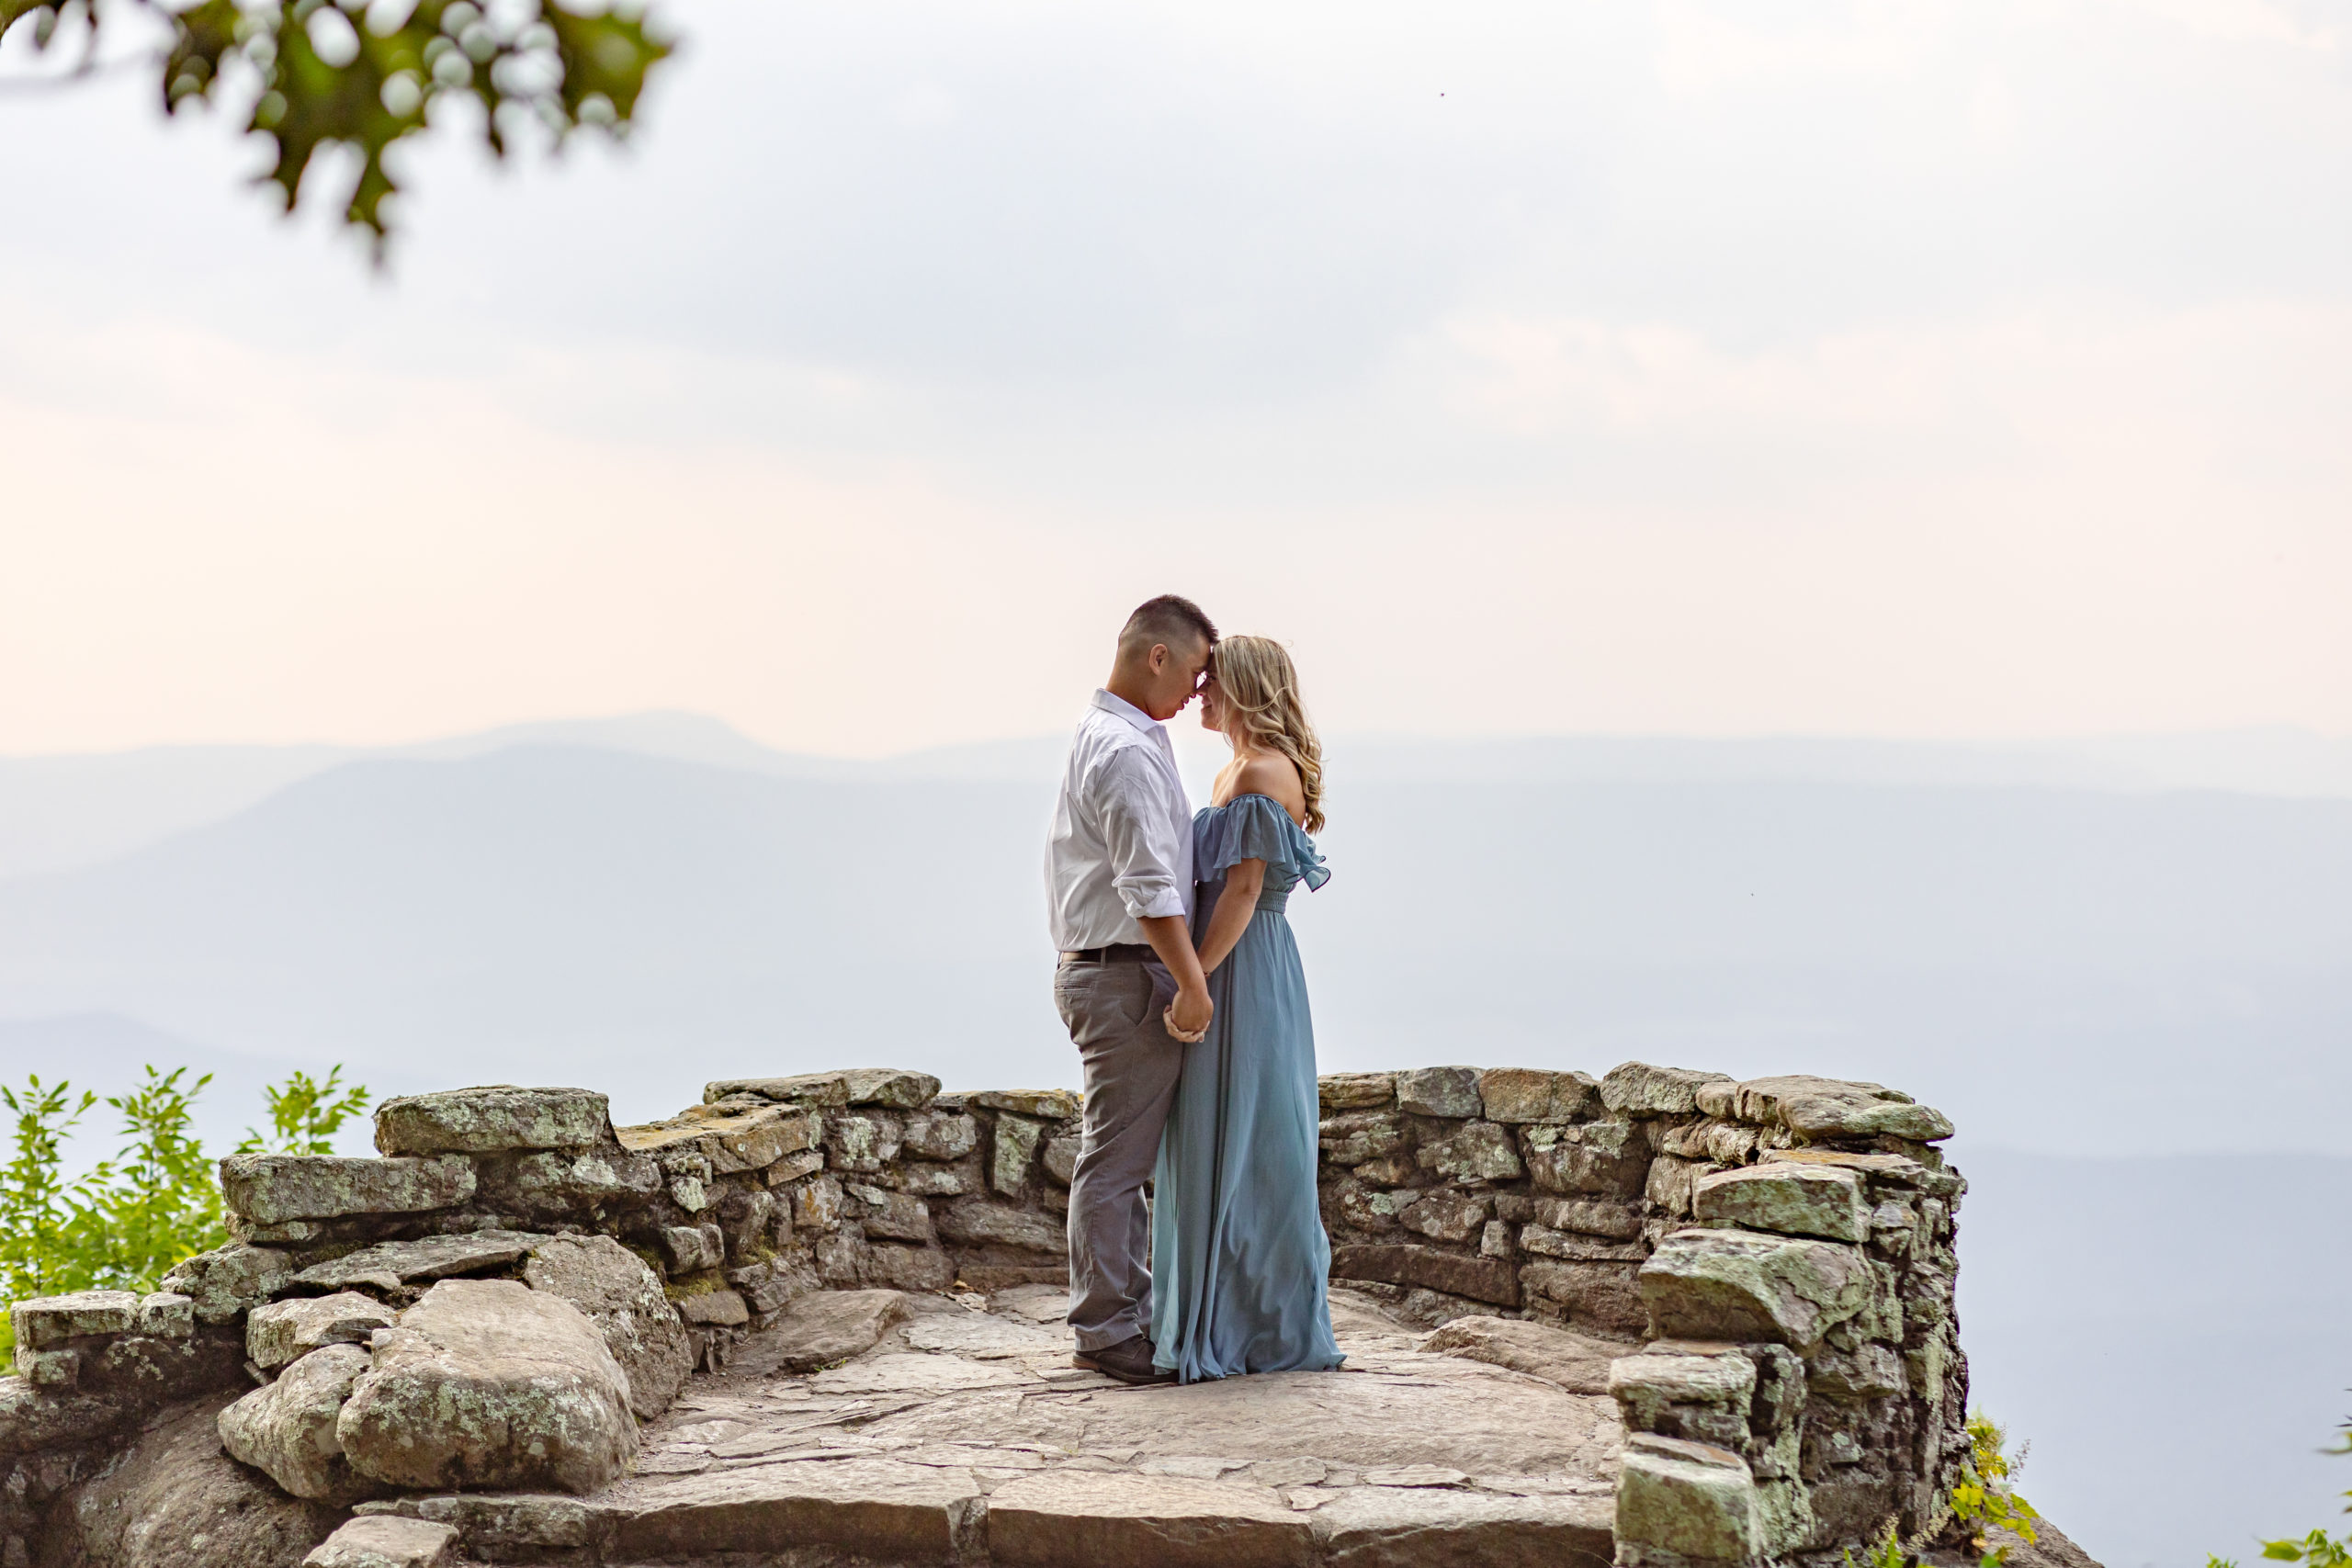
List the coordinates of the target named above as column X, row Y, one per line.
column 1159, row 658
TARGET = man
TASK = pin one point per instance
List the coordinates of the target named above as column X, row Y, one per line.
column 1119, row 887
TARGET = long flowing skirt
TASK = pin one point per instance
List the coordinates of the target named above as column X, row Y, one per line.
column 1240, row 1259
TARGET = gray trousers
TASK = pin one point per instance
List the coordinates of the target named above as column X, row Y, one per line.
column 1112, row 1012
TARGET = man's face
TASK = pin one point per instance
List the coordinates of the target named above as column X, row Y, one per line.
column 1176, row 676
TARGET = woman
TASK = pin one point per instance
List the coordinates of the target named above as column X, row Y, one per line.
column 1240, row 1259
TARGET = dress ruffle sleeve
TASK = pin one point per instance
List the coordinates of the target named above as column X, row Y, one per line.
column 1255, row 827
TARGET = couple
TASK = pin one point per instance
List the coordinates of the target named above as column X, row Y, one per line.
column 1181, row 985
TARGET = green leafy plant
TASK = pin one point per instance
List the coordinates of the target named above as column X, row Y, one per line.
column 318, row 73
column 305, row 1113
column 123, row 1224
column 2318, row 1549
column 1985, row 1495
column 1887, row 1554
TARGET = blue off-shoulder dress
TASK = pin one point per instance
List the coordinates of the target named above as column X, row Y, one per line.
column 1239, row 1260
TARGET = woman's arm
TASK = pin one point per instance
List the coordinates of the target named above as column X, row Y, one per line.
column 1234, row 906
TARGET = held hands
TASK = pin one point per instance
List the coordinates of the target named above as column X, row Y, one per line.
column 1187, row 1017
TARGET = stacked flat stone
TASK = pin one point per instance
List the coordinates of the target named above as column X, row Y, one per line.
column 514, row 1283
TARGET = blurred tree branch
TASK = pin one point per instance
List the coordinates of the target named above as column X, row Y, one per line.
column 364, row 75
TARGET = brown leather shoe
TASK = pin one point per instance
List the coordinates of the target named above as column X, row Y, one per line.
column 1129, row 1362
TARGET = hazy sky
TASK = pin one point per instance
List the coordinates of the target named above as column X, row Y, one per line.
column 1936, row 369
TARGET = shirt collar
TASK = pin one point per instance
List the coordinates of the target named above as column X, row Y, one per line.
column 1112, row 703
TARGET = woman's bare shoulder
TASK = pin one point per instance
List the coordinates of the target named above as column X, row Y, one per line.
column 1272, row 774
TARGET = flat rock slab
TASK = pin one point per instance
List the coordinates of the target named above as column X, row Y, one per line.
column 986, row 1336
column 1577, row 1362
column 820, row 1329
column 386, row 1540
column 954, row 1434
column 1399, row 1410
column 914, row 1372
column 1079, row 1520
column 877, row 1507
column 491, row 1119
column 282, row 1331
column 391, row 1265
column 1377, row 1527
column 1032, row 1304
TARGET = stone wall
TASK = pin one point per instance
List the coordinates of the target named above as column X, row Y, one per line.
column 1775, row 1255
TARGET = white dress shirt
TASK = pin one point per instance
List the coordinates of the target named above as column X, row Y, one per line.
column 1121, row 849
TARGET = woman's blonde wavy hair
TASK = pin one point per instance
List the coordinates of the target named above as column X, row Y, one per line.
column 1260, row 686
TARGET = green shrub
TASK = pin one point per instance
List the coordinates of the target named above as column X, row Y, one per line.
column 124, row 1222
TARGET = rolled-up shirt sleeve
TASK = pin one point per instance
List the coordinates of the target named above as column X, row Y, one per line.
column 1140, row 820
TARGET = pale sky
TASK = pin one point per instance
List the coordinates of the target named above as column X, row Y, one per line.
column 1936, row 369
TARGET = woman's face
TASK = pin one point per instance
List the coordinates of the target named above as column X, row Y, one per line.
column 1212, row 705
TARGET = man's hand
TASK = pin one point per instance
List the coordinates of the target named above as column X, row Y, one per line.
column 1188, row 1015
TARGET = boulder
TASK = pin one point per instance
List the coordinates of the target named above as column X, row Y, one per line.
column 1838, row 1108
column 387, row 1540
column 1786, row 1197
column 1439, row 1091
column 1575, row 1362
column 1637, row 1089
column 1530, row 1094
column 268, row 1190
column 393, row 1266
column 173, row 1488
column 821, row 1329
column 1355, row 1091
column 1691, row 1499
column 1737, row 1285
column 493, row 1118
column 287, row 1428
column 489, row 1383
column 616, row 1290
column 285, row 1331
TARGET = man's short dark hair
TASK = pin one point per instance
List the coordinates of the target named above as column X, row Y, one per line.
column 1171, row 619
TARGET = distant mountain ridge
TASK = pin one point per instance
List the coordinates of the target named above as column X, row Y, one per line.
column 64, row 811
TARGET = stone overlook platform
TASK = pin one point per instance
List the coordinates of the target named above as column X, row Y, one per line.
column 1660, row 1319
